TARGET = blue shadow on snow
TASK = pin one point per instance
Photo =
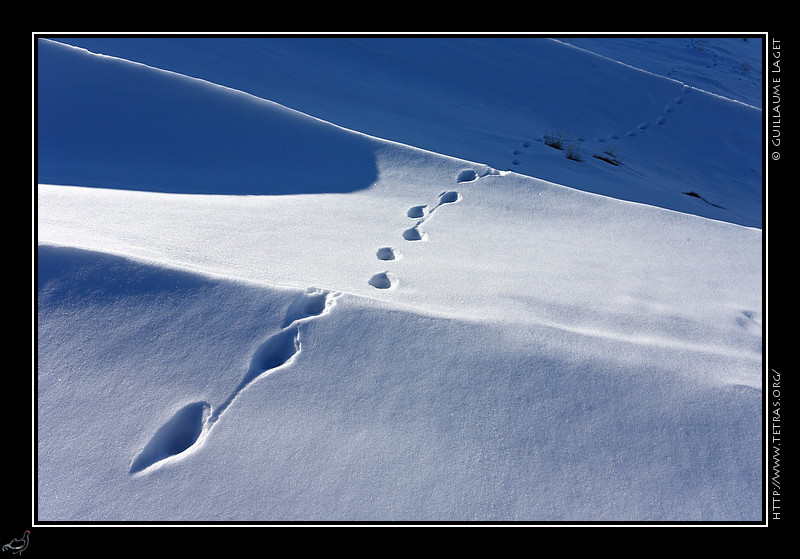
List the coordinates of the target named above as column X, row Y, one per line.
column 107, row 122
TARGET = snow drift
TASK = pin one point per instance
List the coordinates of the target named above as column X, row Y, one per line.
column 247, row 313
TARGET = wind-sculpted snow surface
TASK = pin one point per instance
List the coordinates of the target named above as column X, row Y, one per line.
column 383, row 414
column 480, row 344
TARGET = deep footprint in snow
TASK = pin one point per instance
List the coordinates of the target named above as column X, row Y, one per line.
column 414, row 234
column 193, row 422
column 176, row 436
column 312, row 302
column 383, row 280
column 416, row 212
column 467, row 175
column 185, row 428
column 281, row 348
column 448, row 197
column 276, row 351
column 386, row 253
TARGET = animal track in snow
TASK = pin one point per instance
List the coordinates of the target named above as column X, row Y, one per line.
column 312, row 302
column 517, row 153
column 177, row 435
column 416, row 212
column 467, row 175
column 387, row 253
column 386, row 280
column 191, row 424
column 660, row 120
column 383, row 280
column 448, row 197
column 416, row 233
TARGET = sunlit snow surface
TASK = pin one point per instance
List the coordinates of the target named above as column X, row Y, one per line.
column 349, row 279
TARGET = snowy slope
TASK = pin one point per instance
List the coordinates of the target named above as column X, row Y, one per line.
column 248, row 313
column 730, row 67
column 493, row 100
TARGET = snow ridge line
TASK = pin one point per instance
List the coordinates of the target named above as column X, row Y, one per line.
column 685, row 85
column 207, row 83
column 186, row 430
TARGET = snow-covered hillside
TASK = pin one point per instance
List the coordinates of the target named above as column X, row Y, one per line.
column 351, row 279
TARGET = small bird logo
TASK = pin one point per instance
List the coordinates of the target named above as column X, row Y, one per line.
column 18, row 545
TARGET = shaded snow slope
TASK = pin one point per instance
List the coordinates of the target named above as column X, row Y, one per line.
column 380, row 414
column 640, row 136
column 728, row 66
column 109, row 123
